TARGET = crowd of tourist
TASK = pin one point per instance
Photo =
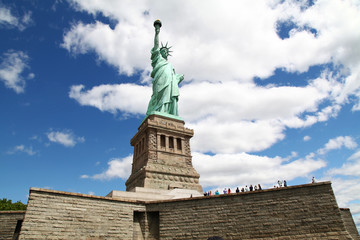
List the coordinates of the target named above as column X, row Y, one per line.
column 228, row 190
column 281, row 184
column 250, row 188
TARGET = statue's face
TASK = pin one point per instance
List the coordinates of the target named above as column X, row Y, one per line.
column 164, row 53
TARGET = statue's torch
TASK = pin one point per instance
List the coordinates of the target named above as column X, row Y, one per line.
column 157, row 24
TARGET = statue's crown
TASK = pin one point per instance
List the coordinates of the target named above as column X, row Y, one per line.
column 166, row 47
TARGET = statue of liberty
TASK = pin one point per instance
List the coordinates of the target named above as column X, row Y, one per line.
column 165, row 81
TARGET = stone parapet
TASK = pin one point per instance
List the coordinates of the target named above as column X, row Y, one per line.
column 61, row 215
column 300, row 212
column 349, row 223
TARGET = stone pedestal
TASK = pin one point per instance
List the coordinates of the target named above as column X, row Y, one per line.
column 162, row 156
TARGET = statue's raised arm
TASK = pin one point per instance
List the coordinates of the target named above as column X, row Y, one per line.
column 157, row 25
column 165, row 81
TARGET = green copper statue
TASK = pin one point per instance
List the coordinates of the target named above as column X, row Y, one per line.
column 165, row 81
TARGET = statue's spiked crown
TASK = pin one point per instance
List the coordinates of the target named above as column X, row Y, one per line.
column 167, row 48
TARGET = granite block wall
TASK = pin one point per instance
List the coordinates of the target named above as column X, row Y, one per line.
column 60, row 215
column 299, row 212
column 8, row 222
column 349, row 223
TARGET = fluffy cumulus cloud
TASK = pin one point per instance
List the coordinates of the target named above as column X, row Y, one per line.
column 243, row 168
column 251, row 48
column 255, row 116
column 337, row 143
column 117, row 168
column 12, row 70
column 220, row 65
column 127, row 98
column 232, row 137
column 66, row 138
column 231, row 170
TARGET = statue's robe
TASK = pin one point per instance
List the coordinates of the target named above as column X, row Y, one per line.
column 165, row 85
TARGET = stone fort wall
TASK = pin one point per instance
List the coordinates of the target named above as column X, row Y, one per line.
column 8, row 222
column 349, row 223
column 298, row 212
column 60, row 215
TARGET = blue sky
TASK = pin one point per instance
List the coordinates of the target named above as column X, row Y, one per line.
column 271, row 89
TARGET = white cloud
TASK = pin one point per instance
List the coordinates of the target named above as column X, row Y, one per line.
column 228, row 61
column 7, row 19
column 117, row 168
column 230, row 100
column 27, row 20
column 347, row 192
column 31, row 76
column 22, row 148
column 109, row 44
column 255, row 116
column 337, row 143
column 244, row 169
column 307, row 138
column 231, row 55
column 346, row 185
column 355, row 156
column 350, row 168
column 128, row 98
column 12, row 66
column 239, row 101
column 66, row 138
column 232, row 137
column 117, row 10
